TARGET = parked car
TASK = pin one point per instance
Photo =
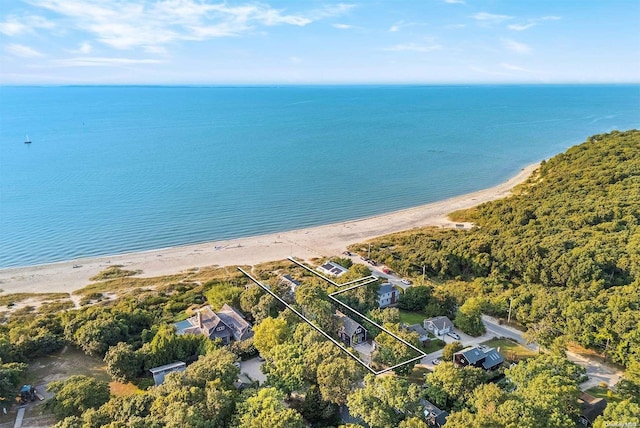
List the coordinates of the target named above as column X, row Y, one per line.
column 386, row 270
column 347, row 253
column 405, row 281
column 372, row 262
column 436, row 361
column 456, row 336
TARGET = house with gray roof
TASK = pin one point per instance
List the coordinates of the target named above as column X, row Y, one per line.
column 433, row 415
column 439, row 326
column 492, row 359
column 160, row 372
column 387, row 295
column 332, row 269
column 488, row 359
column 227, row 324
column 290, row 282
column 349, row 331
column 423, row 335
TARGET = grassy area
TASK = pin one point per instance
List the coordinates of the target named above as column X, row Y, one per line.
column 606, row 393
column 434, row 345
column 409, row 317
column 118, row 388
column 417, row 375
column 64, row 364
column 12, row 299
column 511, row 351
column 113, row 272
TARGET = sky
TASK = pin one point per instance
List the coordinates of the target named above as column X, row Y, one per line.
column 319, row 42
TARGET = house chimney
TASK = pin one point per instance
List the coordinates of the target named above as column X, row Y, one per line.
column 200, row 319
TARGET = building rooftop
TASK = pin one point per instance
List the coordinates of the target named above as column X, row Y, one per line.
column 440, row 322
column 332, row 268
column 290, row 280
column 418, row 329
column 472, row 354
column 386, row 288
column 492, row 359
column 350, row 326
column 170, row 366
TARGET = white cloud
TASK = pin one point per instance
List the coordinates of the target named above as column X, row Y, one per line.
column 23, row 51
column 14, row 25
column 455, row 1
column 152, row 25
column 343, row 26
column 401, row 25
column 490, row 17
column 514, row 67
column 102, row 62
column 413, row 47
column 83, row 48
column 516, row 47
column 532, row 23
column 521, row 27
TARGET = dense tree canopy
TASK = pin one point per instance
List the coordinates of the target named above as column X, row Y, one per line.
column 565, row 248
column 385, row 401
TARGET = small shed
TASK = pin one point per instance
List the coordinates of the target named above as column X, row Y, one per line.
column 160, row 372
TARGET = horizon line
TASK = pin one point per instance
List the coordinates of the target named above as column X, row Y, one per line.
column 274, row 84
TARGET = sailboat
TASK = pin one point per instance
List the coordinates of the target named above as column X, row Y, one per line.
column 27, row 140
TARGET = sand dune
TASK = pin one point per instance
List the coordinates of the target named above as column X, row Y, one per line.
column 318, row 241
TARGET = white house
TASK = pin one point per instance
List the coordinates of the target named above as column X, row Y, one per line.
column 160, row 372
column 387, row 295
column 438, row 325
column 332, row 269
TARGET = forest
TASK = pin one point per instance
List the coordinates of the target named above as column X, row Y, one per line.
column 563, row 252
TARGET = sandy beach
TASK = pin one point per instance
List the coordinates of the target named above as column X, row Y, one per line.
column 311, row 242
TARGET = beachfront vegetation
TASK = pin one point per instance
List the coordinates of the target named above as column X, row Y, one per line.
column 563, row 251
column 575, row 279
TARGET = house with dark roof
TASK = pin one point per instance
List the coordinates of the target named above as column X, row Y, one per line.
column 349, row 331
column 423, row 335
column 590, row 409
column 489, row 359
column 332, row 269
column 434, row 416
column 387, row 295
column 227, row 324
column 290, row 282
column 439, row 326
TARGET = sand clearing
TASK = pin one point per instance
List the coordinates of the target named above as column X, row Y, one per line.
column 318, row 241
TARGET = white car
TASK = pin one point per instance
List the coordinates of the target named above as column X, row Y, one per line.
column 405, row 281
column 456, row 336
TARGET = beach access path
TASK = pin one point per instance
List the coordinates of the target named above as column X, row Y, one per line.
column 320, row 241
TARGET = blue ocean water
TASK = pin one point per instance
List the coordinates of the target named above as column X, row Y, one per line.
column 119, row 169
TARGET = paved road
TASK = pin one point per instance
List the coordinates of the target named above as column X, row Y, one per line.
column 596, row 371
column 492, row 325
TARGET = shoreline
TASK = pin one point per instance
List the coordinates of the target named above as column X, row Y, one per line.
column 317, row 241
